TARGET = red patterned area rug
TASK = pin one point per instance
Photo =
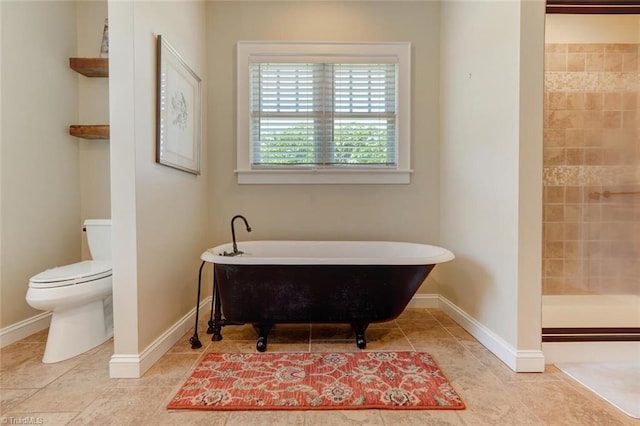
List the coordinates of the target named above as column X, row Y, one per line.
column 321, row 381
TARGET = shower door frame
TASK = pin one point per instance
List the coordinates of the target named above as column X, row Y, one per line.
column 590, row 7
column 593, row 334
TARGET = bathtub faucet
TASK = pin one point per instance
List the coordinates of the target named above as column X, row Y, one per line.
column 233, row 234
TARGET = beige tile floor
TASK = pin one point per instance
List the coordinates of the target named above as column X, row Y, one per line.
column 79, row 391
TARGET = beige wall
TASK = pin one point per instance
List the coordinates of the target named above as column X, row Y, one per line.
column 160, row 215
column 324, row 212
column 491, row 163
column 41, row 224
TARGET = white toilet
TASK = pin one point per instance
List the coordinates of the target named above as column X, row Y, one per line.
column 79, row 297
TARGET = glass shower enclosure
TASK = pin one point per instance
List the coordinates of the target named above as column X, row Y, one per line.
column 591, row 219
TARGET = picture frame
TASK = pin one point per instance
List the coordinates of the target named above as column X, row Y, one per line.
column 178, row 111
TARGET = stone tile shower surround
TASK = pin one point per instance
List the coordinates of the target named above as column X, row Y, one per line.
column 591, row 145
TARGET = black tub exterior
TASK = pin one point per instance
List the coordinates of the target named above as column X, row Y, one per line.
column 264, row 295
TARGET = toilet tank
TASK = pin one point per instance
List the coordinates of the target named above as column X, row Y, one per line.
column 99, row 238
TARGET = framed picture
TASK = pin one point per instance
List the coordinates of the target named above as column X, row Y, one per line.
column 178, row 113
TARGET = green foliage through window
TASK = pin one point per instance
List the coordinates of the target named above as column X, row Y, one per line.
column 323, row 114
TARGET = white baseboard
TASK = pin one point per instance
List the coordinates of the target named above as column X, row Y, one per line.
column 527, row 361
column 133, row 366
column 125, row 367
column 424, row 301
column 25, row 328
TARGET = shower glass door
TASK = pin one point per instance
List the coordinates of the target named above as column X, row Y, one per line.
column 591, row 247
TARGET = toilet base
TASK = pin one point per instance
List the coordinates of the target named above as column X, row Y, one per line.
column 75, row 330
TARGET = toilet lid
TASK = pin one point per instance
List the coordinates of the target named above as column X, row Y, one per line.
column 75, row 273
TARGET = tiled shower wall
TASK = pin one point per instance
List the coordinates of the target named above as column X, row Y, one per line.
column 591, row 169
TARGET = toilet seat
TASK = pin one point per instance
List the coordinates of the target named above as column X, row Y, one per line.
column 76, row 273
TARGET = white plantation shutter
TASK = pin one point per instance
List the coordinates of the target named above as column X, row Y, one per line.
column 323, row 114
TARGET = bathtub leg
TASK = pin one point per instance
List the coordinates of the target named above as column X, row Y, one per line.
column 263, row 331
column 360, row 328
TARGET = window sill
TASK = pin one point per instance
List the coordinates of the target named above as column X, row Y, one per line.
column 323, row 176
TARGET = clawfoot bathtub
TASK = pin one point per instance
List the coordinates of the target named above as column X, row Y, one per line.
column 353, row 282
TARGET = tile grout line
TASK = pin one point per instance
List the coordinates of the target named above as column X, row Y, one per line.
column 413, row 348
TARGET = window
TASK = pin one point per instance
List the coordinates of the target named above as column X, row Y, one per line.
column 323, row 113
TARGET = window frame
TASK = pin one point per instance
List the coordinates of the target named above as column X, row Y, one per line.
column 388, row 52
